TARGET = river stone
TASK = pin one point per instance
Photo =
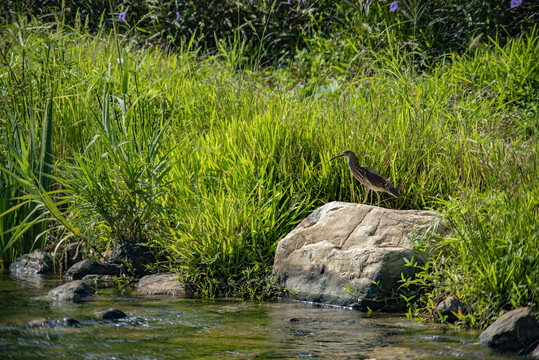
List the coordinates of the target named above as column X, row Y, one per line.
column 343, row 244
column 111, row 314
column 160, row 284
column 449, row 307
column 133, row 257
column 516, row 331
column 36, row 262
column 65, row 321
column 86, row 267
column 75, row 291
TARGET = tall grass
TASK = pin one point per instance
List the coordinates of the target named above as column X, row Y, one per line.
column 212, row 163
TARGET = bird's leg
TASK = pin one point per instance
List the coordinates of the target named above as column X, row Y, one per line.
column 378, row 195
column 366, row 194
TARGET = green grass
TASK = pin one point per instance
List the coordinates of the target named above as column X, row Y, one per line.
column 212, row 162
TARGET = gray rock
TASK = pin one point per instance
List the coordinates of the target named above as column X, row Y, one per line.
column 37, row 262
column 65, row 322
column 160, row 284
column 449, row 307
column 86, row 267
column 516, row 331
column 100, row 281
column 343, row 243
column 133, row 257
column 75, row 291
column 111, row 314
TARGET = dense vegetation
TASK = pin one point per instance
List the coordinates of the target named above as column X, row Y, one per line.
column 211, row 152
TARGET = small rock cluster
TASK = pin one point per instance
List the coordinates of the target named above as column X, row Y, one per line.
column 86, row 276
column 112, row 315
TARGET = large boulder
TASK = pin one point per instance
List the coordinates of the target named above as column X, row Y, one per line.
column 36, row 262
column 160, row 284
column 361, row 246
column 87, row 267
column 516, row 331
column 75, row 291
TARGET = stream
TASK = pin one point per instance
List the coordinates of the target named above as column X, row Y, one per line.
column 174, row 328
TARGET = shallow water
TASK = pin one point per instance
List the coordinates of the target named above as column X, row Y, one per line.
column 165, row 328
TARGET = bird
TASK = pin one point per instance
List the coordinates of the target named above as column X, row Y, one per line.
column 368, row 177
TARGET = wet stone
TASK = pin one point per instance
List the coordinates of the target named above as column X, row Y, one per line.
column 64, row 322
column 111, row 314
column 87, row 267
column 75, row 291
column 36, row 262
column 516, row 331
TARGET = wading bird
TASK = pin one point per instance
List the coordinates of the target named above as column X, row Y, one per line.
column 368, row 177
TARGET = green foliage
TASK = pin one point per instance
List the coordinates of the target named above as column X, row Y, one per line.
column 212, row 161
column 115, row 188
column 274, row 30
column 22, row 223
column 487, row 261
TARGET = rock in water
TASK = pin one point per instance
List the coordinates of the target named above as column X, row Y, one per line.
column 111, row 314
column 37, row 262
column 86, row 267
column 516, row 331
column 65, row 322
column 75, row 291
column 357, row 245
column 161, row 284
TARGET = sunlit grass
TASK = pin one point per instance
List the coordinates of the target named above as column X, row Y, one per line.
column 212, row 163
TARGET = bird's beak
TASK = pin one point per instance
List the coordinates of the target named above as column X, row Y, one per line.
column 336, row 157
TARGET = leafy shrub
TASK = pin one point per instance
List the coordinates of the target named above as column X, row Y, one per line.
column 274, row 30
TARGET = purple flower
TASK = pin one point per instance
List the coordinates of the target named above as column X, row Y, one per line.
column 394, row 6
column 177, row 15
column 515, row 3
column 121, row 17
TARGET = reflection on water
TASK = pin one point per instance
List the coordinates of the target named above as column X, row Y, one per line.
column 198, row 329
